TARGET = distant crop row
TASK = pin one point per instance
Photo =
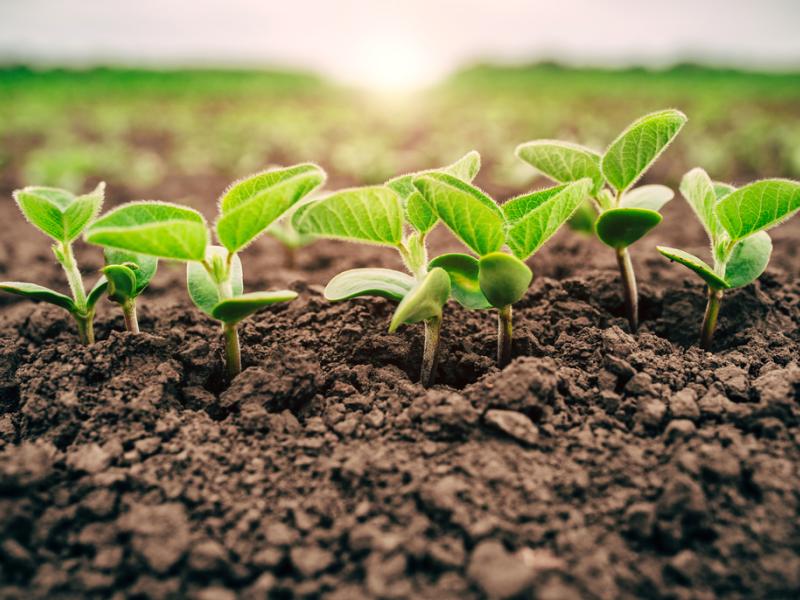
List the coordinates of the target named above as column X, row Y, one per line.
column 593, row 189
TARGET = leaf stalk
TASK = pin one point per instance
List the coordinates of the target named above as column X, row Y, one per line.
column 67, row 260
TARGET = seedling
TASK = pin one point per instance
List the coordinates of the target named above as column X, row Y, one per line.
column 624, row 215
column 128, row 275
column 495, row 278
column 736, row 222
column 398, row 216
column 62, row 216
column 290, row 239
column 214, row 273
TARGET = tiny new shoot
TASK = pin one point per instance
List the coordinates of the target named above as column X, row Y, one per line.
column 398, row 216
column 214, row 273
column 736, row 221
column 496, row 279
column 624, row 215
column 128, row 275
column 62, row 216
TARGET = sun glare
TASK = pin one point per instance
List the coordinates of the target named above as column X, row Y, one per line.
column 391, row 65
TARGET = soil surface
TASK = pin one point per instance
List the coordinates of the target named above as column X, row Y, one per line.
column 598, row 464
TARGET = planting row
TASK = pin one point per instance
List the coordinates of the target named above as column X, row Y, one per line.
column 594, row 192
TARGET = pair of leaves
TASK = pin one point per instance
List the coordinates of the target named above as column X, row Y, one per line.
column 39, row 292
column 58, row 213
column 204, row 291
column 128, row 274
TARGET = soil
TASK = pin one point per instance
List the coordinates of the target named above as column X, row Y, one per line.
column 598, row 464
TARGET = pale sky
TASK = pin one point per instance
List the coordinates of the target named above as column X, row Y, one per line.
column 385, row 43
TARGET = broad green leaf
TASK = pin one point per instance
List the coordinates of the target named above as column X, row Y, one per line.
column 386, row 283
column 653, row 197
column 38, row 292
column 621, row 227
column 563, row 162
column 690, row 261
column 758, row 206
column 424, row 301
column 252, row 204
column 748, row 260
column 463, row 270
column 527, row 234
column 638, row 147
column 420, row 214
column 698, row 189
column 121, row 282
column 98, row 289
column 583, row 219
column 153, row 228
column 203, row 290
column 58, row 213
column 519, row 206
column 470, row 214
column 373, row 215
column 147, row 265
column 235, row 309
column 503, row 278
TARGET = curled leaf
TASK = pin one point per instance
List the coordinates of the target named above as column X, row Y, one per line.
column 423, row 302
column 748, row 260
column 38, row 292
column 690, row 261
column 233, row 310
column 203, row 289
column 386, row 283
column 465, row 287
column 504, row 279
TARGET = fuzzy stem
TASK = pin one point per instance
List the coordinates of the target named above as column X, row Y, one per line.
column 430, row 354
column 710, row 318
column 233, row 356
column 85, row 328
column 629, row 287
column 504, row 334
column 73, row 276
column 129, row 312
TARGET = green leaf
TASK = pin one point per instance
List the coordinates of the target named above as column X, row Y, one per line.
column 638, row 147
column 121, row 282
column 235, row 309
column 563, row 162
column 748, row 260
column 503, row 278
column 58, row 213
column 621, row 227
column 465, row 287
column 153, row 228
column 203, row 290
column 368, row 214
column 386, row 283
column 470, row 214
column 38, row 292
column 424, row 301
column 527, row 234
column 252, row 204
column 147, row 265
column 698, row 189
column 98, row 289
column 519, row 206
column 690, row 261
column 653, row 197
column 758, row 206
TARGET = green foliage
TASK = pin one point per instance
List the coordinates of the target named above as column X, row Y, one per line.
column 58, row 213
column 700, row 193
column 464, row 271
column 204, row 286
column 233, row 310
column 563, row 162
column 651, row 197
column 748, row 260
column 128, row 273
column 387, row 283
column 38, row 292
column 424, row 301
column 699, row 266
column 621, row 227
column 503, row 278
column 758, row 206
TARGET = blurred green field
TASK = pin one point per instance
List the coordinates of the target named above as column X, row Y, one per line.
column 140, row 130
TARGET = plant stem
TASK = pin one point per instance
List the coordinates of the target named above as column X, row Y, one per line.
column 290, row 256
column 504, row 333
column 710, row 318
column 85, row 328
column 129, row 312
column 629, row 287
column 73, row 276
column 233, row 355
column 430, row 353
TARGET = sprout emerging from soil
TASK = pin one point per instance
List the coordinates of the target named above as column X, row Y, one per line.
column 624, row 215
column 496, row 279
column 214, row 273
column 62, row 216
column 398, row 216
column 128, row 275
column 736, row 221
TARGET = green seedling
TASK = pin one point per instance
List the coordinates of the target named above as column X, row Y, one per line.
column 624, row 215
column 214, row 273
column 62, row 216
column 496, row 279
column 398, row 216
column 128, row 275
column 290, row 239
column 736, row 221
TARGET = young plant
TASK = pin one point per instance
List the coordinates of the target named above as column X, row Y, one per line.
column 62, row 216
column 214, row 273
column 398, row 216
column 128, row 275
column 496, row 279
column 736, row 222
column 624, row 215
column 290, row 239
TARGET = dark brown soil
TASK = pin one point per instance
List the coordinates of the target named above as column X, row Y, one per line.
column 596, row 465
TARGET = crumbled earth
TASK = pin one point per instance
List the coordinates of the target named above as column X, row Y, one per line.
column 598, row 464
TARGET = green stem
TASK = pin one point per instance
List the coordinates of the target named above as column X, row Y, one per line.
column 73, row 276
column 629, row 287
column 233, row 355
column 430, row 353
column 85, row 328
column 504, row 335
column 710, row 318
column 129, row 312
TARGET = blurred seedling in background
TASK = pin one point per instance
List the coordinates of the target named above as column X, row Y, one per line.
column 62, row 216
column 736, row 221
column 128, row 275
column 496, row 279
column 624, row 215
column 394, row 215
column 290, row 239
column 214, row 273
